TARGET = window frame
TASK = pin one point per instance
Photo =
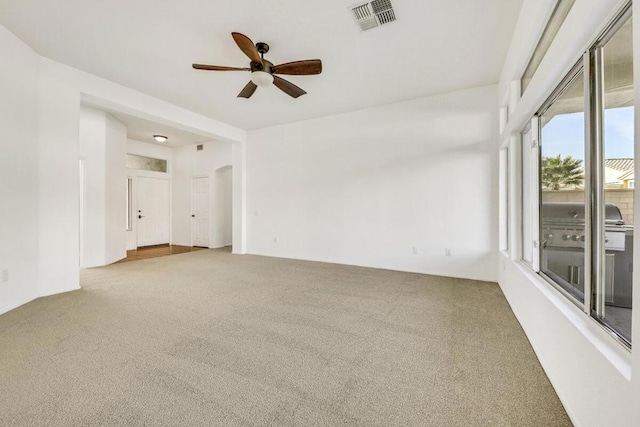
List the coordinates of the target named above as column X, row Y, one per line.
column 570, row 78
column 530, row 190
column 590, row 65
column 504, row 200
column 595, row 137
column 556, row 19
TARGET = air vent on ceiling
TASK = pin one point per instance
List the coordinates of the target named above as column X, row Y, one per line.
column 199, row 147
column 369, row 15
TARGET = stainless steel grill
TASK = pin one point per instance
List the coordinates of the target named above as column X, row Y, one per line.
column 563, row 241
column 563, row 226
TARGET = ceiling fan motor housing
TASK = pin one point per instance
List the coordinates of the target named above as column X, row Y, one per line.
column 266, row 66
column 262, row 47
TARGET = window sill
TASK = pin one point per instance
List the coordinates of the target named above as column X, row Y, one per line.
column 614, row 351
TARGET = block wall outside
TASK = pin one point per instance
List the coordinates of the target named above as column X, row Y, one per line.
column 623, row 198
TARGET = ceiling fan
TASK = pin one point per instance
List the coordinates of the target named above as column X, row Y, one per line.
column 263, row 72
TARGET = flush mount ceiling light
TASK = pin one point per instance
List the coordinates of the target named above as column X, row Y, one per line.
column 160, row 138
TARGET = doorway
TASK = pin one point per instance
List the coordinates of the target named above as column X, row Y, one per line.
column 153, row 214
column 200, row 212
column 223, row 207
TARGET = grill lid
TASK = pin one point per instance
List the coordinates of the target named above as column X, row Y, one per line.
column 574, row 212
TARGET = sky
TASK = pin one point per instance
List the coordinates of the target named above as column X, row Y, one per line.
column 564, row 134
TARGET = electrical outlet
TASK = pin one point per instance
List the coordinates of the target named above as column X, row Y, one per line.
column 275, row 239
column 5, row 275
column 415, row 250
column 447, row 252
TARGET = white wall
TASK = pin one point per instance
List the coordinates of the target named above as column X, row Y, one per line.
column 92, row 152
column 40, row 106
column 102, row 148
column 590, row 372
column 223, row 208
column 148, row 150
column 18, row 171
column 239, row 210
column 115, row 186
column 366, row 187
column 189, row 163
column 595, row 377
column 58, row 186
column 227, row 204
column 61, row 90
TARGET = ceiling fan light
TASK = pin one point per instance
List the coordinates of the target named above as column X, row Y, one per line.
column 160, row 138
column 261, row 78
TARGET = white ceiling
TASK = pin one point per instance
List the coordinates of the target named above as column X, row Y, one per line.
column 435, row 46
column 143, row 130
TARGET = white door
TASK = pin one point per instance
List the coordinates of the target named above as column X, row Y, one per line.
column 200, row 218
column 153, row 211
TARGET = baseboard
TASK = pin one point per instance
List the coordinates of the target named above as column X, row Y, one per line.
column 15, row 305
column 60, row 291
column 219, row 247
column 478, row 278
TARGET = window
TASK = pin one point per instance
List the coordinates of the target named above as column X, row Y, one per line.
column 146, row 163
column 558, row 16
column 578, row 182
column 612, row 76
column 563, row 212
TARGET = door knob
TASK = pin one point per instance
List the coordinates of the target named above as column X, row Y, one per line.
column 193, row 216
column 140, row 216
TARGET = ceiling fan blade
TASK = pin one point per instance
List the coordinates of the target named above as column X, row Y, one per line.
column 288, row 87
column 247, row 46
column 248, row 90
column 300, row 68
column 218, row 68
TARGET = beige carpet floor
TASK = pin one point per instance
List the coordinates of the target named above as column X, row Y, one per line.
column 213, row 339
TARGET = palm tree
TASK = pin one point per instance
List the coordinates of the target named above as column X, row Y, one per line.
column 557, row 172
